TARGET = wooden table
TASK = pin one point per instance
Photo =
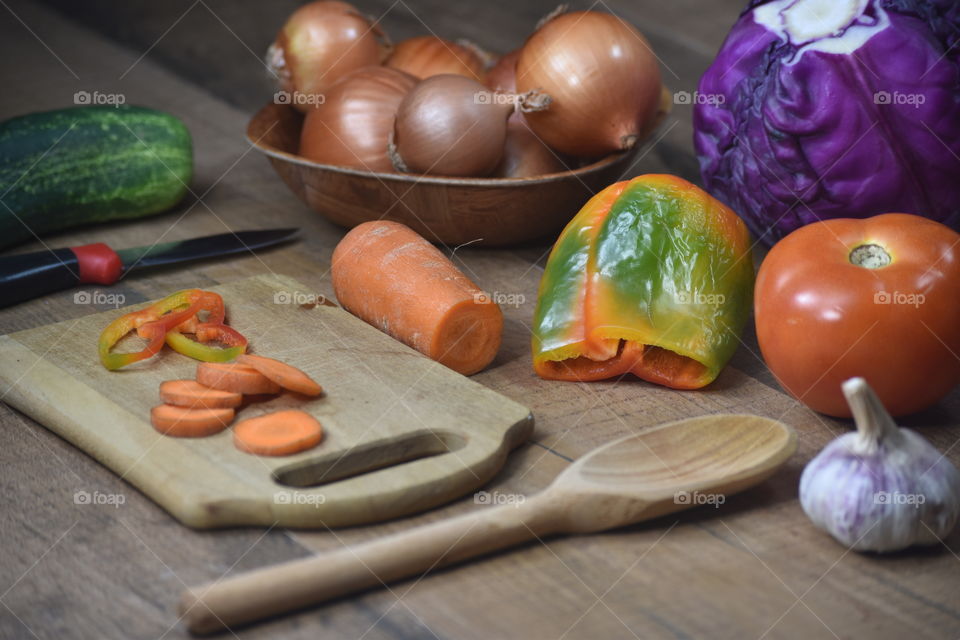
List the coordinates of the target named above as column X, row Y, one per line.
column 753, row 568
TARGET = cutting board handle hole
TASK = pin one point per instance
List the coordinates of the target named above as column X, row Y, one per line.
column 369, row 457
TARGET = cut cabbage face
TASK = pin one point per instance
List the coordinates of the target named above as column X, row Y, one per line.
column 832, row 26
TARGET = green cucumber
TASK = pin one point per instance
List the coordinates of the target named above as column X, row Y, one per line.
column 60, row 169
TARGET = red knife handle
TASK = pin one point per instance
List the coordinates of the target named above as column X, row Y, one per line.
column 98, row 263
column 30, row 275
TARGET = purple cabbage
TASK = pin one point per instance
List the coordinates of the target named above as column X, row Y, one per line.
column 793, row 124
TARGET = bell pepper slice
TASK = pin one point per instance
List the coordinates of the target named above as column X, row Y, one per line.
column 653, row 277
column 235, row 342
column 153, row 323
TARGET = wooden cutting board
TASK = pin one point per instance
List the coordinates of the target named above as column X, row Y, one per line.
column 402, row 433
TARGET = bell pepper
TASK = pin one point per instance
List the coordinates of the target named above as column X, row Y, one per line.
column 153, row 323
column 652, row 277
column 235, row 342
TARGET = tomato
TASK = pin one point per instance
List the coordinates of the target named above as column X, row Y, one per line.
column 878, row 298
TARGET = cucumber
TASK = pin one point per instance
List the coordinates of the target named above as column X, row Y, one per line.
column 60, row 169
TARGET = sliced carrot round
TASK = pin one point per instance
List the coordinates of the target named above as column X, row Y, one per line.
column 281, row 433
column 193, row 395
column 237, row 378
column 285, row 375
column 181, row 422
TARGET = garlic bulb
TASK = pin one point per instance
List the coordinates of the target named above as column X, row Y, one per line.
column 882, row 488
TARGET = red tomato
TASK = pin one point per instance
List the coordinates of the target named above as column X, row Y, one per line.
column 878, row 298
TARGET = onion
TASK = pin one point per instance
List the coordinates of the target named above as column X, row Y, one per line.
column 426, row 56
column 352, row 127
column 602, row 76
column 453, row 126
column 320, row 43
column 503, row 75
column 524, row 154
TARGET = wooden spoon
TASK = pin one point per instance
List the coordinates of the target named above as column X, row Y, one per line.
column 662, row 470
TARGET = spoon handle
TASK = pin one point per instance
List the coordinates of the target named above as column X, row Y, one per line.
column 299, row 583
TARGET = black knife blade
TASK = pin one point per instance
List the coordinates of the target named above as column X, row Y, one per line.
column 222, row 244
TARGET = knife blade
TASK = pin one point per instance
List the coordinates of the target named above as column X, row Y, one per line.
column 29, row 275
column 222, row 244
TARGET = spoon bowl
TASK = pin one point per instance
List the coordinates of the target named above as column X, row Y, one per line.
column 665, row 468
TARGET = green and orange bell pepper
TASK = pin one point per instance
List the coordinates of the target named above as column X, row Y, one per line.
column 653, row 277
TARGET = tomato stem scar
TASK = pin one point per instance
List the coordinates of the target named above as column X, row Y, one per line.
column 870, row 256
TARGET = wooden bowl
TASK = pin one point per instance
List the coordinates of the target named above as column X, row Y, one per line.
column 489, row 211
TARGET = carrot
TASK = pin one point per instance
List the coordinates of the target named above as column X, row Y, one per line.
column 193, row 395
column 281, row 433
column 391, row 277
column 181, row 422
column 283, row 374
column 237, row 378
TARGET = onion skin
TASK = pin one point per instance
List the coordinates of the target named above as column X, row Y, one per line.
column 602, row 76
column 320, row 43
column 442, row 128
column 503, row 75
column 524, row 154
column 426, row 56
column 352, row 127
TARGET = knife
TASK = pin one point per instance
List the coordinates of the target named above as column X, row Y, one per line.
column 29, row 275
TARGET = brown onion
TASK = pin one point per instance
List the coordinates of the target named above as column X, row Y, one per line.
column 503, row 75
column 320, row 43
column 352, row 127
column 602, row 76
column 426, row 56
column 451, row 125
column 524, row 154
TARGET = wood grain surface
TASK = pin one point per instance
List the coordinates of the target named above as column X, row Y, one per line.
column 753, row 568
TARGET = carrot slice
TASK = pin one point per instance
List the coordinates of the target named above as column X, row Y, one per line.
column 391, row 277
column 281, row 433
column 181, row 422
column 193, row 395
column 238, row 378
column 285, row 375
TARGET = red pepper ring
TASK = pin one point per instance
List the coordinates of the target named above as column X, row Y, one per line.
column 213, row 305
column 154, row 322
column 208, row 332
column 153, row 330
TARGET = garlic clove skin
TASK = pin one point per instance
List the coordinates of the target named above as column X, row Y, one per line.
column 883, row 488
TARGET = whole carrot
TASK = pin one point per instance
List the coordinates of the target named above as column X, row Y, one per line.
column 391, row 277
